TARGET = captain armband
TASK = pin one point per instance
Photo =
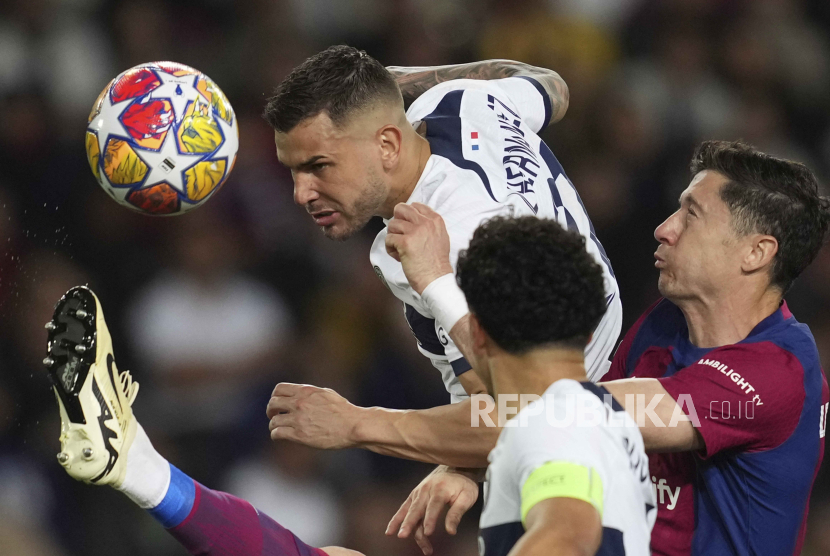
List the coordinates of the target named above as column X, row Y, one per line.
column 562, row 479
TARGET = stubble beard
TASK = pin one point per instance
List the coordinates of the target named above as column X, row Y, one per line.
column 365, row 207
column 671, row 289
column 664, row 286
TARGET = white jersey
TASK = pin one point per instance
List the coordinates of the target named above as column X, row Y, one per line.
column 487, row 160
column 611, row 446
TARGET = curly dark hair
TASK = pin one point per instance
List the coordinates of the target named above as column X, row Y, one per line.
column 531, row 283
column 770, row 196
column 339, row 80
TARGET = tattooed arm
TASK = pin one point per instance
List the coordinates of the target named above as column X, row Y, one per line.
column 417, row 80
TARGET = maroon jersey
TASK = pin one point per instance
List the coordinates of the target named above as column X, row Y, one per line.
column 761, row 405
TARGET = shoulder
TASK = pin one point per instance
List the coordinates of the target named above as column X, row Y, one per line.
column 545, row 427
column 761, row 378
column 448, row 186
column 459, row 192
column 763, row 357
column 762, row 372
column 796, row 338
column 445, row 98
column 657, row 326
column 774, row 370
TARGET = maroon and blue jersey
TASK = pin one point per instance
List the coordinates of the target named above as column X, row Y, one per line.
column 761, row 405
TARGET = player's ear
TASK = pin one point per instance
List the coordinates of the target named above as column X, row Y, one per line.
column 478, row 334
column 390, row 141
column 762, row 250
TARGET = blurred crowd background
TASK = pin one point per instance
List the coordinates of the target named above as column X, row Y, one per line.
column 209, row 311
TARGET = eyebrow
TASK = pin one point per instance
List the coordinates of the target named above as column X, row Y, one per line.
column 309, row 162
column 692, row 201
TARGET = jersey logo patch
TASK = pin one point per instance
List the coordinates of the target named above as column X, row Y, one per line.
column 474, row 137
column 740, row 381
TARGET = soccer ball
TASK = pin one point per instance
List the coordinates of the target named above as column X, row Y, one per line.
column 162, row 138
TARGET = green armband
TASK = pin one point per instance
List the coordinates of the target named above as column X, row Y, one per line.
column 562, row 479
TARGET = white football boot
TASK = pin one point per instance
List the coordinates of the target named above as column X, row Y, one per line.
column 95, row 400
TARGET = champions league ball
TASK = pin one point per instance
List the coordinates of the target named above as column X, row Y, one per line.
column 162, row 138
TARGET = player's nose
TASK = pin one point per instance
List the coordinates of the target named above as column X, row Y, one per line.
column 304, row 190
column 668, row 231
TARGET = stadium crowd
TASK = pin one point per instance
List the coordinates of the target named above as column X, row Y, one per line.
column 209, row 311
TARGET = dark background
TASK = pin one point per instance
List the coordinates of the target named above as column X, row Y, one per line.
column 211, row 309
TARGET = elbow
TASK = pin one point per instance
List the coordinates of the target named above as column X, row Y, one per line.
column 563, row 98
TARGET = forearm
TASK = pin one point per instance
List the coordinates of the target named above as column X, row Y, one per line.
column 560, row 525
column 415, row 81
column 439, row 435
column 657, row 414
column 541, row 543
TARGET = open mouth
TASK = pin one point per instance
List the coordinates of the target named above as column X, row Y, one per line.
column 325, row 217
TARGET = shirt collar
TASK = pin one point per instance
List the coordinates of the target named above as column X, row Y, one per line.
column 686, row 350
column 780, row 315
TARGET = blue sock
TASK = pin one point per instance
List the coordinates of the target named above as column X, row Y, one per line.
column 177, row 503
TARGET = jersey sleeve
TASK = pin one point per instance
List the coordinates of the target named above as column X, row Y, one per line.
column 558, row 461
column 530, row 100
column 522, row 96
column 745, row 397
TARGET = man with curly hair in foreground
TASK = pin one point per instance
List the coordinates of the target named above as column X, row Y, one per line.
column 555, row 486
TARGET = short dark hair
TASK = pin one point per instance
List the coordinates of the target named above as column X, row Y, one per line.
column 531, row 284
column 771, row 196
column 339, row 80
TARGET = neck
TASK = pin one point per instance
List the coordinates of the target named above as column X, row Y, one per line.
column 535, row 371
column 414, row 160
column 726, row 320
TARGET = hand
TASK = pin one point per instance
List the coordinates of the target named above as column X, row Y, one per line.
column 421, row 510
column 418, row 239
column 317, row 417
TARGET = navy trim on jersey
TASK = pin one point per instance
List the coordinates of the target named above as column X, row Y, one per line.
column 612, row 543
column 557, row 202
column 424, row 330
column 663, row 327
column 545, row 98
column 444, row 135
column 601, row 392
column 460, row 366
column 499, row 540
column 555, row 169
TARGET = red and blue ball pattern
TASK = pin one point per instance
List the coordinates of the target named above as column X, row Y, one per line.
column 162, row 138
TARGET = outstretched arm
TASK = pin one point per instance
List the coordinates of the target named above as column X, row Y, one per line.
column 415, row 81
column 321, row 418
column 418, row 239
